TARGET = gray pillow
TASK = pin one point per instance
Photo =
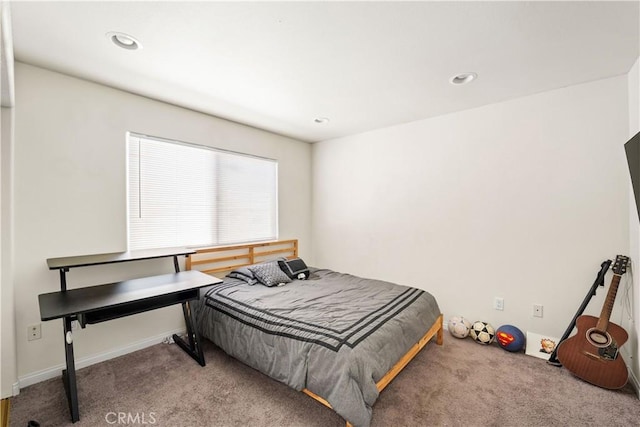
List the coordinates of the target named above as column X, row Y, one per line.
column 243, row 273
column 269, row 274
column 237, row 275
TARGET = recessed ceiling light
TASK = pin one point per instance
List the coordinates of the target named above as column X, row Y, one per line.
column 124, row 41
column 321, row 120
column 463, row 78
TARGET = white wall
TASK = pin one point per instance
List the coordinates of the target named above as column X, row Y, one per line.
column 522, row 200
column 71, row 193
column 634, row 222
column 8, row 375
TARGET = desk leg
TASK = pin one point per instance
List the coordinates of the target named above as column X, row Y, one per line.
column 69, row 374
column 193, row 349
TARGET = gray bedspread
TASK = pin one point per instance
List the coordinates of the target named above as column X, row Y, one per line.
column 334, row 334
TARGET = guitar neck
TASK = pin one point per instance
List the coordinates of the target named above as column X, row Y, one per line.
column 607, row 308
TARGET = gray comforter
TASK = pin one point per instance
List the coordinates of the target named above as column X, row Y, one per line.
column 334, row 334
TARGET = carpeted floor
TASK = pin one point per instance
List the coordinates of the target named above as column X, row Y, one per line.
column 459, row 384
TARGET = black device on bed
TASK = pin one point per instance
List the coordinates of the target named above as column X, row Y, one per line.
column 295, row 268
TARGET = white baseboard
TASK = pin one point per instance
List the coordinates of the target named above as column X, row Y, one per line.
column 83, row 362
column 628, row 361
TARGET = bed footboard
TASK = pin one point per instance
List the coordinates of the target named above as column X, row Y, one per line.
column 435, row 330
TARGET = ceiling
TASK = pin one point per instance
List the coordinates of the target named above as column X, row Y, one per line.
column 364, row 65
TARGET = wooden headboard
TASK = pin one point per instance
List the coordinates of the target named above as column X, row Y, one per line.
column 221, row 259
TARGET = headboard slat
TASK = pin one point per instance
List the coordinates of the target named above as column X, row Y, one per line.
column 222, row 259
column 226, row 258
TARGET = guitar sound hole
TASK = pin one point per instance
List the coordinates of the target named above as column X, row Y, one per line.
column 598, row 338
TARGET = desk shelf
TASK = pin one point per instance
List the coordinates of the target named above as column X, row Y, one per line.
column 100, row 303
column 127, row 297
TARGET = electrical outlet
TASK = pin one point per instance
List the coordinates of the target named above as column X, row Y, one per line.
column 537, row 310
column 34, row 332
column 498, row 303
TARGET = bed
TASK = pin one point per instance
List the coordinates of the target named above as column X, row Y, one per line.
column 339, row 338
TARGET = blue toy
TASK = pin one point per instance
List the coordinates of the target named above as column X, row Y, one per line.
column 510, row 338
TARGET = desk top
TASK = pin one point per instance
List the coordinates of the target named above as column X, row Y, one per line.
column 55, row 305
column 110, row 258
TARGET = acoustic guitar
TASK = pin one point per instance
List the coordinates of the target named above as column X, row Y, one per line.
column 592, row 353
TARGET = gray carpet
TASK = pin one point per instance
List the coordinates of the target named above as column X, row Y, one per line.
column 459, row 384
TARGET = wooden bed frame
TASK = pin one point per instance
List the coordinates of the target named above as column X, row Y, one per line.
column 4, row 412
column 220, row 260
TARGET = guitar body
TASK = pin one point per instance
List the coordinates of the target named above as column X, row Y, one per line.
column 593, row 356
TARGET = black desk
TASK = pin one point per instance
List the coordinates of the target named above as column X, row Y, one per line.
column 95, row 304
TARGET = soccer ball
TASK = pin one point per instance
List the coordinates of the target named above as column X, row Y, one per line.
column 459, row 327
column 482, row 332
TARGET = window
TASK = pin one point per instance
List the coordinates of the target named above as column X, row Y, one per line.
column 187, row 195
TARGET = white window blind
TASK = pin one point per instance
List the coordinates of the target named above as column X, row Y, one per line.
column 187, row 195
